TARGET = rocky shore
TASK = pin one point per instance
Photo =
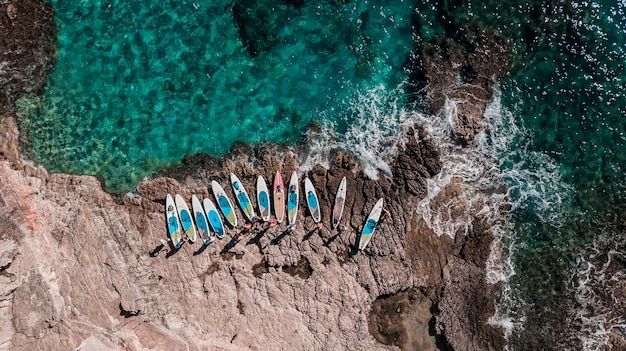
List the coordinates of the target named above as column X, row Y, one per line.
column 82, row 269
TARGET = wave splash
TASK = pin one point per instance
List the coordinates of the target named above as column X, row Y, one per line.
column 594, row 283
column 374, row 123
column 496, row 176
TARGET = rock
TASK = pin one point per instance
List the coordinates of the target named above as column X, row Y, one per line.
column 416, row 162
column 460, row 72
column 465, row 307
column 80, row 268
column 27, row 49
column 9, row 140
column 92, row 259
column 403, row 320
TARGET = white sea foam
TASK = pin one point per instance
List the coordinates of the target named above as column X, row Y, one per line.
column 374, row 120
column 497, row 175
column 595, row 316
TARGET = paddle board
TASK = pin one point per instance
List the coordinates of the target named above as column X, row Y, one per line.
column 263, row 198
column 292, row 199
column 370, row 224
column 185, row 218
column 242, row 197
column 224, row 203
column 340, row 200
column 215, row 221
column 173, row 223
column 279, row 197
column 201, row 222
column 312, row 200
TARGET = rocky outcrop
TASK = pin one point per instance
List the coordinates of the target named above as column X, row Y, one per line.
column 460, row 73
column 80, row 269
column 83, row 270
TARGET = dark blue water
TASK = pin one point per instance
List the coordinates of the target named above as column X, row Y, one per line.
column 140, row 84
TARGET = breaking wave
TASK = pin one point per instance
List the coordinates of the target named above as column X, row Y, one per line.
column 371, row 128
column 593, row 284
column 493, row 178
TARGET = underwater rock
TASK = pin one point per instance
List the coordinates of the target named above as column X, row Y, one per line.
column 260, row 23
column 27, row 48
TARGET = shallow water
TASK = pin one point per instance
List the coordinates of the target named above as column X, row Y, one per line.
column 138, row 85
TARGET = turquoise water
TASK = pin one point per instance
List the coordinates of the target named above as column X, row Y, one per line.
column 138, row 85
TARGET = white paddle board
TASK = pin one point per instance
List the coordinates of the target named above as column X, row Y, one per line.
column 242, row 197
column 312, row 200
column 340, row 200
column 292, row 199
column 201, row 221
column 263, row 198
column 370, row 224
column 173, row 223
column 185, row 218
column 224, row 203
column 215, row 221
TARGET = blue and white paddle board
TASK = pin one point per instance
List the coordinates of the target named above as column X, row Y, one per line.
column 263, row 198
column 312, row 200
column 173, row 223
column 201, row 221
column 242, row 197
column 224, row 203
column 371, row 224
column 215, row 221
column 185, row 218
column 292, row 199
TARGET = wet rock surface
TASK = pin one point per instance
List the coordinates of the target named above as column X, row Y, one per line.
column 459, row 72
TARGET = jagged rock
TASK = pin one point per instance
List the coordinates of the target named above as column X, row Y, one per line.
column 104, row 263
column 392, row 316
column 9, row 140
column 89, row 261
column 417, row 162
column 460, row 73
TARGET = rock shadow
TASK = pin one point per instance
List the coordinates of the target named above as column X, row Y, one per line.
column 280, row 237
column 302, row 269
column 155, row 252
column 202, row 248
